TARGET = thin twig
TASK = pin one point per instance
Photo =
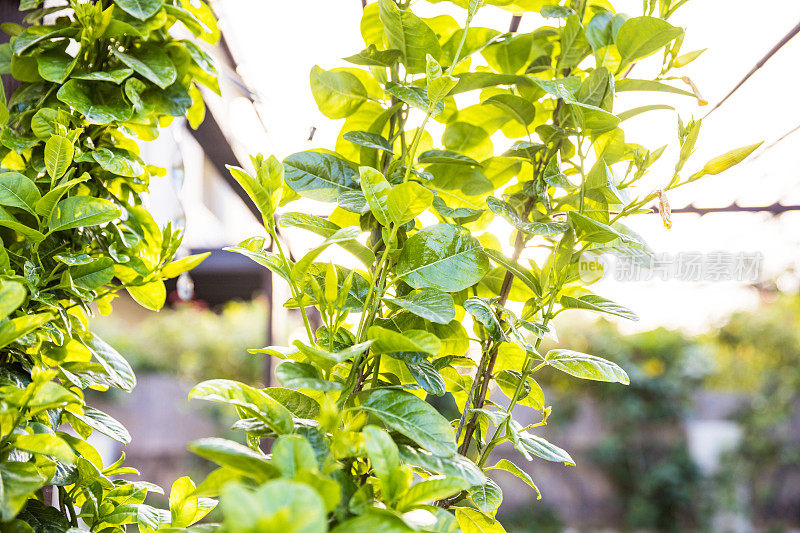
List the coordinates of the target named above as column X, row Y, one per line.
column 786, row 38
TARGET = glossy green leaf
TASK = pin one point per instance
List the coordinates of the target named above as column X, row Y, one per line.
column 12, row 294
column 413, row 340
column 119, row 162
column 444, row 257
column 141, row 9
column 431, row 304
column 15, row 328
column 319, row 176
column 406, row 201
column 234, row 455
column 593, row 302
column 326, row 228
column 639, row 37
column 338, row 93
column 408, row 33
column 376, row 189
column 511, row 468
column 472, row 521
column 487, row 497
column 58, row 152
column 586, row 366
column 370, row 140
column 100, row 102
column 414, row 418
column 430, row 490
column 279, row 505
column 16, row 190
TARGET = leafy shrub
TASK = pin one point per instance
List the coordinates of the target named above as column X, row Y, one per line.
column 73, row 233
column 355, row 446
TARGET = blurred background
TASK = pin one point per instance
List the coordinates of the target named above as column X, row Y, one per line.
column 707, row 436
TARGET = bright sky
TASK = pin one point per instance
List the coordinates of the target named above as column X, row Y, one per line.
column 277, row 43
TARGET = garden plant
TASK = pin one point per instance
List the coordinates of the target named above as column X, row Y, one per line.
column 95, row 77
column 449, row 127
column 438, row 305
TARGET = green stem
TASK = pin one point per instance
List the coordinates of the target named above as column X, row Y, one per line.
column 296, row 293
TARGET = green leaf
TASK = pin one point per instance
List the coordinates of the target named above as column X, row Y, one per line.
column 100, row 102
column 444, row 257
column 245, row 398
column 326, row 228
column 521, row 273
column 184, row 264
column 593, row 302
column 408, row 33
column 515, row 106
column 430, row 304
column 94, row 274
column 16, row 190
column 415, row 97
column 481, row 310
column 376, row 189
column 505, row 210
column 117, row 368
column 586, row 366
column 487, row 497
column 639, row 37
column 385, row 460
column 104, row 423
column 414, row 418
column 529, row 445
column 370, row 140
column 117, row 75
column 141, row 9
column 648, row 85
column 151, row 62
column 151, row 295
column 472, row 521
column 511, row 468
column 630, row 113
column 234, row 455
column 119, row 162
column 406, row 201
column 412, row 340
column 303, row 376
column 45, row 444
column 183, row 503
column 9, row 221
column 430, row 490
column 456, row 466
column 20, row 480
column 446, row 157
column 279, row 505
column 374, row 519
column 12, row 294
column 58, row 152
column 372, row 57
column 15, row 328
column 319, row 176
column 55, row 65
column 338, row 93
column 82, row 211
column 292, row 454
column 427, row 377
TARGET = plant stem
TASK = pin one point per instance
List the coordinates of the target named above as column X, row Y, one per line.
column 296, row 293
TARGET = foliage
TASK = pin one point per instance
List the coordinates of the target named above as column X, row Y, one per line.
column 74, row 233
column 644, row 452
column 214, row 346
column 756, row 352
column 355, row 445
